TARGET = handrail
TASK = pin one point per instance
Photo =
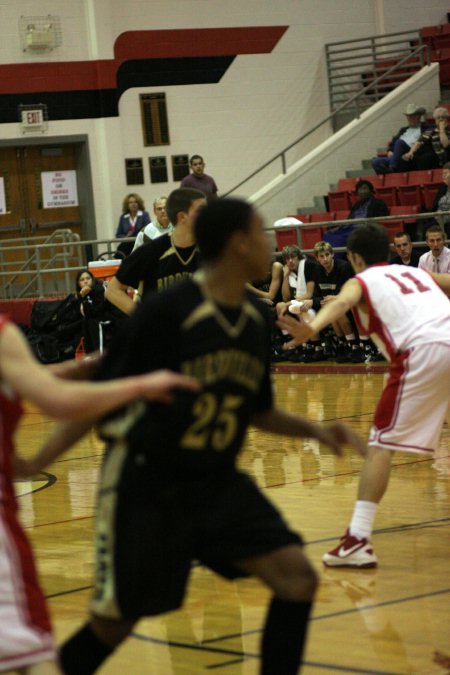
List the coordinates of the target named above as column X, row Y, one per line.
column 420, row 50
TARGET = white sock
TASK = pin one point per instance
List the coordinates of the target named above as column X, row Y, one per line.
column 361, row 524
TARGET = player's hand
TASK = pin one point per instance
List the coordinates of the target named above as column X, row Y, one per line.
column 301, row 332
column 25, row 468
column 337, row 436
column 159, row 385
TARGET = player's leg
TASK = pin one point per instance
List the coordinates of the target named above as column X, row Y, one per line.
column 409, row 417
column 293, row 581
column 88, row 648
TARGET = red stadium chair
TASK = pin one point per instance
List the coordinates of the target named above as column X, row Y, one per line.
column 393, row 226
column 409, row 195
column 322, row 217
column 341, row 215
column 346, row 184
column 442, row 39
column 429, row 193
column 377, row 181
column 285, row 238
column 395, row 179
column 310, row 236
column 429, row 33
column 389, row 195
column 437, row 176
column 424, row 177
column 338, row 201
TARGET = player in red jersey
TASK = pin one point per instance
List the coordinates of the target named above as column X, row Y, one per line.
column 408, row 317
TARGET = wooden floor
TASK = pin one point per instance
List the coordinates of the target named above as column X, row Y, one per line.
column 386, row 621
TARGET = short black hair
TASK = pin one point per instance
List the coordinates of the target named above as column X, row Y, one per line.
column 360, row 183
column 181, row 200
column 217, row 222
column 371, row 242
column 195, row 157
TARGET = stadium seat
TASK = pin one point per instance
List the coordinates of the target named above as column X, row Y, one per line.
column 285, row 238
column 393, row 226
column 429, row 33
column 442, row 39
column 341, row 215
column 409, row 194
column 424, row 177
column 389, row 195
column 377, row 181
column 437, row 176
column 346, row 184
column 310, row 236
column 429, row 193
column 338, row 201
column 322, row 217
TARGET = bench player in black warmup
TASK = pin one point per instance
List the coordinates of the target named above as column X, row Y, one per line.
column 164, row 260
column 170, row 491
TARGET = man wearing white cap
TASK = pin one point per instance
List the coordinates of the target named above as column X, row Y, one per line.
column 400, row 156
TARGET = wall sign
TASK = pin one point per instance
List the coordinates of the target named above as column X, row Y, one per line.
column 59, row 188
column 2, row 196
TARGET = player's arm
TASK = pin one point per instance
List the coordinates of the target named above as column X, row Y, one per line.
column 349, row 297
column 66, row 399
column 64, row 435
column 335, row 435
column 442, row 280
column 116, row 293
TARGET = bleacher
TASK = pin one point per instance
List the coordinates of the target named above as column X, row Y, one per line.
column 405, row 193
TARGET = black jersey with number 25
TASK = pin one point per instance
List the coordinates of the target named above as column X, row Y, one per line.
column 226, row 349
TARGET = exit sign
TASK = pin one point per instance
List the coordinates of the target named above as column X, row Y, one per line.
column 33, row 118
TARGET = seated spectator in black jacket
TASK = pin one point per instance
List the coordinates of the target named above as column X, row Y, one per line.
column 432, row 150
column 406, row 254
column 366, row 206
column 95, row 309
column 442, row 199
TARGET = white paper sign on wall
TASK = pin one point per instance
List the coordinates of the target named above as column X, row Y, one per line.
column 59, row 188
column 2, row 196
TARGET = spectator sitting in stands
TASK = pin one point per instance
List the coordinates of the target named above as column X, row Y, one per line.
column 95, row 309
column 438, row 257
column 160, row 225
column 432, row 150
column 330, row 277
column 366, row 206
column 406, row 255
column 442, row 199
column 299, row 273
column 400, row 156
column 134, row 217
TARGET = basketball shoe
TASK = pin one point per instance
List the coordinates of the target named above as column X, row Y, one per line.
column 351, row 552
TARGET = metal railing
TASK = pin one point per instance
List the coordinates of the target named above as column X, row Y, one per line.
column 330, row 224
column 362, row 97
column 44, row 266
column 353, row 64
column 73, row 255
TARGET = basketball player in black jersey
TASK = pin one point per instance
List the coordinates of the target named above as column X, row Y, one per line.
column 170, row 490
column 164, row 260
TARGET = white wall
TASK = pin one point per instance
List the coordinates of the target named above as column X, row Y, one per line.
column 264, row 101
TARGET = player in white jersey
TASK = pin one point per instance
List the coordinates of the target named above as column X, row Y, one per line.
column 408, row 316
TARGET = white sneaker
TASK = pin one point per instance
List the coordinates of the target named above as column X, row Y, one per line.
column 351, row 552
